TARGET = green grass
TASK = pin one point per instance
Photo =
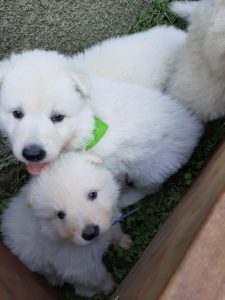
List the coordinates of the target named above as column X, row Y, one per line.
column 153, row 210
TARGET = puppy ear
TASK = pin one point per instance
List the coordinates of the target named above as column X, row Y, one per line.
column 93, row 159
column 5, row 66
column 81, row 81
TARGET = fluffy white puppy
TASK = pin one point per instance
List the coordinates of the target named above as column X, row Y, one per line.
column 47, row 106
column 60, row 224
column 198, row 80
column 144, row 58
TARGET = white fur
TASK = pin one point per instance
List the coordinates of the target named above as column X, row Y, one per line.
column 54, row 247
column 184, row 9
column 150, row 135
column 144, row 58
column 198, row 80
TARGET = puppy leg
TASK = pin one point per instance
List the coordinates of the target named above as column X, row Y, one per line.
column 121, row 239
column 184, row 9
column 53, row 279
column 108, row 284
column 103, row 283
column 85, row 291
column 125, row 241
column 51, row 275
column 131, row 196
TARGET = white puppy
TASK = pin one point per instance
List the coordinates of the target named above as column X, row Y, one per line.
column 47, row 106
column 198, row 80
column 144, row 58
column 60, row 223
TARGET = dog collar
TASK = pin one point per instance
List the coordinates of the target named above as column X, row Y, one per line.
column 98, row 132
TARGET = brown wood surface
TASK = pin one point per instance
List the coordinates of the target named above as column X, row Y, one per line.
column 152, row 276
column 201, row 274
column 18, row 283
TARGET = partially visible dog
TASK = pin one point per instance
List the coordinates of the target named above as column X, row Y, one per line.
column 60, row 224
column 198, row 80
column 48, row 106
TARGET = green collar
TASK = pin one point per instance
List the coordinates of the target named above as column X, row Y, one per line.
column 98, row 131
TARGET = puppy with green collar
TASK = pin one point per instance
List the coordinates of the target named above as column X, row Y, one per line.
column 48, row 106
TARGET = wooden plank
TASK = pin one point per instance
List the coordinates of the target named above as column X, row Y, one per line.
column 201, row 274
column 151, row 274
column 18, row 283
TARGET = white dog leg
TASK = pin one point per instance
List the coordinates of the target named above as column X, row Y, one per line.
column 103, row 282
column 84, row 291
column 51, row 275
column 131, row 196
column 125, row 241
column 121, row 239
column 53, row 279
column 184, row 9
column 108, row 284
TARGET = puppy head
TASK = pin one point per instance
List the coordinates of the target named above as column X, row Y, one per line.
column 75, row 198
column 43, row 106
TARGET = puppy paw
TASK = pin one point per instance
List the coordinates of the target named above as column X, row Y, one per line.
column 125, row 241
column 85, row 291
column 54, row 280
column 108, row 285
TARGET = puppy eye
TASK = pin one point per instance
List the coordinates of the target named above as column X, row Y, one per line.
column 57, row 118
column 61, row 214
column 92, row 195
column 18, row 114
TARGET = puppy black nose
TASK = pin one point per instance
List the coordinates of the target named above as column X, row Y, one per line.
column 33, row 153
column 90, row 232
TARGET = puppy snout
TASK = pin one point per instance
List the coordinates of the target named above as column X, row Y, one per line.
column 33, row 153
column 90, row 232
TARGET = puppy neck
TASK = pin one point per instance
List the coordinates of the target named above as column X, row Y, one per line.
column 84, row 125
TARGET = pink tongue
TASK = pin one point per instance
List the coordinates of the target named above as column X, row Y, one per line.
column 35, row 169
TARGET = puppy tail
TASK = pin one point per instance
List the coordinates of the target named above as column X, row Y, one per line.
column 184, row 9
